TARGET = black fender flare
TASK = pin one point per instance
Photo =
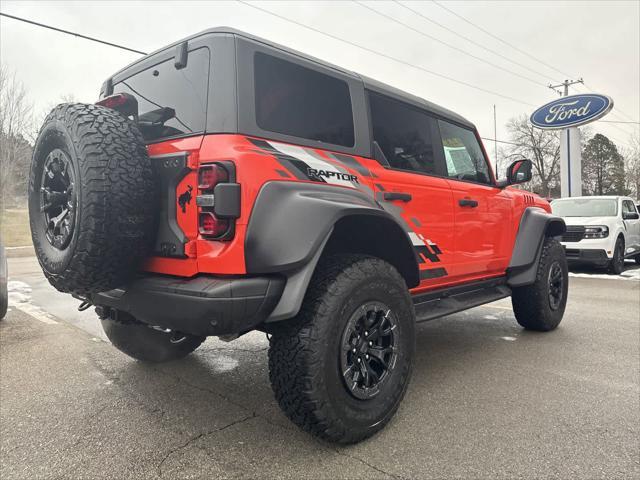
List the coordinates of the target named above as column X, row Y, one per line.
column 536, row 224
column 290, row 225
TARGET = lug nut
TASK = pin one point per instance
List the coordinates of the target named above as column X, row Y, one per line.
column 366, row 333
column 370, row 344
column 366, row 357
column 359, row 360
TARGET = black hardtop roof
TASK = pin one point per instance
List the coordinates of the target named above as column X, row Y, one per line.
column 368, row 82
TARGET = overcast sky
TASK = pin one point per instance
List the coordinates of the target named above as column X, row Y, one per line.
column 597, row 40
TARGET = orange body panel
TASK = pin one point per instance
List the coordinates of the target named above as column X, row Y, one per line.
column 466, row 243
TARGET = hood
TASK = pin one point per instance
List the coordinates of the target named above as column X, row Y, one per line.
column 588, row 220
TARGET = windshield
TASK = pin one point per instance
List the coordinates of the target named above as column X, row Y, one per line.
column 585, row 207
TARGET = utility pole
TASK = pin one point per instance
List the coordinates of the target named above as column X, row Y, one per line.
column 570, row 151
column 566, row 84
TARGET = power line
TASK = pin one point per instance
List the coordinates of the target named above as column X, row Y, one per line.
column 615, row 121
column 384, row 55
column 500, row 39
column 628, row 117
column 464, row 52
column 542, row 149
column 31, row 22
column 485, row 31
column 473, row 42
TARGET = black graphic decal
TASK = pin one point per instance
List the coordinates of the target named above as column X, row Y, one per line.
column 329, row 174
column 433, row 273
column 185, row 198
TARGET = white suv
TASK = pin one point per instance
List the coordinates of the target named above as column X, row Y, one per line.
column 602, row 231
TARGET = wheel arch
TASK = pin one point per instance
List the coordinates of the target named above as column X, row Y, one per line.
column 293, row 224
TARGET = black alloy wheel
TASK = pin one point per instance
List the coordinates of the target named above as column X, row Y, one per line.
column 58, row 201
column 556, row 284
column 368, row 353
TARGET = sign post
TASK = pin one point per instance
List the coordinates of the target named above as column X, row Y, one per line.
column 567, row 113
column 570, row 163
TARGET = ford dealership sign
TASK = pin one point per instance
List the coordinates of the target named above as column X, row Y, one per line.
column 572, row 111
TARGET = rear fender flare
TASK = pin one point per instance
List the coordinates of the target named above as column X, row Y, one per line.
column 292, row 222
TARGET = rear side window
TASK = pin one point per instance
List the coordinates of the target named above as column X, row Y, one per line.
column 628, row 207
column 297, row 101
column 403, row 133
column 462, row 154
column 171, row 102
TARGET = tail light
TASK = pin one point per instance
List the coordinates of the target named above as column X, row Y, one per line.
column 218, row 200
column 211, row 226
column 210, row 175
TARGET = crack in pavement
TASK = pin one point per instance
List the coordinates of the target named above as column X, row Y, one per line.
column 364, row 462
column 197, row 437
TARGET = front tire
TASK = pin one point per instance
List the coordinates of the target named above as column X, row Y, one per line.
column 540, row 306
column 146, row 343
column 616, row 264
column 340, row 368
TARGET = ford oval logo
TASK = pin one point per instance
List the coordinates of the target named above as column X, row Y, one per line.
column 572, row 111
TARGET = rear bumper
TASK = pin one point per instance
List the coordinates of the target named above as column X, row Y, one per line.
column 590, row 256
column 203, row 305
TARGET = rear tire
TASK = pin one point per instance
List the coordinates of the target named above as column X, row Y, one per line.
column 356, row 308
column 146, row 343
column 91, row 198
column 4, row 294
column 540, row 306
column 616, row 264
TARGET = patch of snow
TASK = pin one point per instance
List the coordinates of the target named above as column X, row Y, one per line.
column 633, row 274
column 509, row 339
column 20, row 298
column 223, row 363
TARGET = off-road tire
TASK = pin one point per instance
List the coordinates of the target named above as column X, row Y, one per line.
column 531, row 303
column 616, row 264
column 304, row 368
column 147, row 344
column 114, row 192
column 4, row 294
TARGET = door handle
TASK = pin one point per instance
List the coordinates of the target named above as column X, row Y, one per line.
column 467, row 202
column 403, row 197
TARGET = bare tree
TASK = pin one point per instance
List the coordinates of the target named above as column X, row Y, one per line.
column 632, row 166
column 542, row 147
column 16, row 136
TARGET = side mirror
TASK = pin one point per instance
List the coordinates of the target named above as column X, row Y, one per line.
column 519, row 171
column 630, row 216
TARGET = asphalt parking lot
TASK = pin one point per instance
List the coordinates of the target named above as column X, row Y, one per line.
column 487, row 399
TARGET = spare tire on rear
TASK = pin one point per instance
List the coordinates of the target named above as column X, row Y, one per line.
column 91, row 198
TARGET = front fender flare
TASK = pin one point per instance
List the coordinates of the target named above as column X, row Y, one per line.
column 535, row 225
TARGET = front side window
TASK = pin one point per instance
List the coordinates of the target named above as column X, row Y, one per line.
column 171, row 102
column 403, row 133
column 463, row 155
column 297, row 101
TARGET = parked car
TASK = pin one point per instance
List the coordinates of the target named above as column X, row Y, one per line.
column 4, row 274
column 601, row 231
column 226, row 184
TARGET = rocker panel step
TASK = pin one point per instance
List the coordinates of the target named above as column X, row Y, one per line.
column 436, row 304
